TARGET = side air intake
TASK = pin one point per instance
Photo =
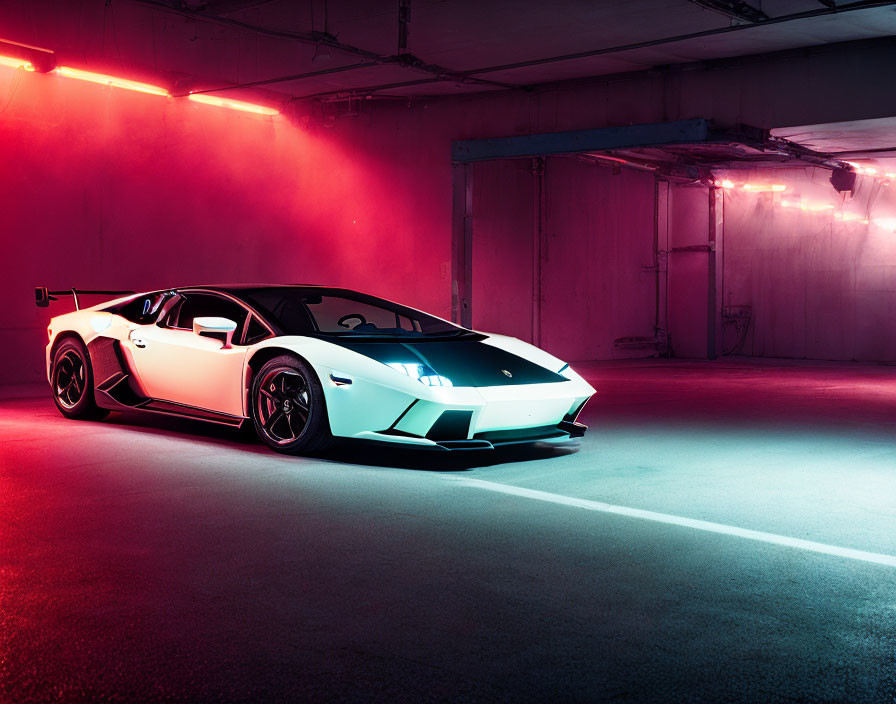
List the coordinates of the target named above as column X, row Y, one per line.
column 451, row 425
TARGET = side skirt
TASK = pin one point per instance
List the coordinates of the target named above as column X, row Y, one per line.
column 117, row 395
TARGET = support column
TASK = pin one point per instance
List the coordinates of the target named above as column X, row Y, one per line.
column 661, row 254
column 462, row 245
column 538, row 219
column 716, row 271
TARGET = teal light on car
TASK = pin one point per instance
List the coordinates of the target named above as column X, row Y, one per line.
column 422, row 373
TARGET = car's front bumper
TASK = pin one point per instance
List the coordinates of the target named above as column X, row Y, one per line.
column 484, row 418
column 564, row 432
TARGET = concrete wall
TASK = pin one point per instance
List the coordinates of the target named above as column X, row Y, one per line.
column 110, row 189
column 103, row 188
column 688, row 291
column 503, row 242
column 598, row 281
column 594, row 263
column 819, row 281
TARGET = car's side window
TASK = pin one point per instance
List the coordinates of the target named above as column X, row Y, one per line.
column 256, row 332
column 204, row 305
column 142, row 309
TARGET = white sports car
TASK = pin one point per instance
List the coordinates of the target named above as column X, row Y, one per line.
column 306, row 365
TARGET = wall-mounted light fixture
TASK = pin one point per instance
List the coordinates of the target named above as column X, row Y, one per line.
column 16, row 63
column 232, row 104
column 765, row 187
column 753, row 187
column 103, row 79
column 32, row 58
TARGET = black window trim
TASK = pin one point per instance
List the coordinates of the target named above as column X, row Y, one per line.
column 250, row 312
column 360, row 297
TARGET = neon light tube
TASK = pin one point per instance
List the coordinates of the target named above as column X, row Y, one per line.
column 16, row 63
column 775, row 187
column 886, row 223
column 232, row 104
column 109, row 80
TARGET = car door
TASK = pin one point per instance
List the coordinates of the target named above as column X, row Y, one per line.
column 175, row 364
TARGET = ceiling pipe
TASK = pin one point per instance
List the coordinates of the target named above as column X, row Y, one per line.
column 441, row 74
column 404, row 59
column 735, row 9
column 809, row 14
column 821, row 12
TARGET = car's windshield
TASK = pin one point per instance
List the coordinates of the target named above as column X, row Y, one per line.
column 302, row 311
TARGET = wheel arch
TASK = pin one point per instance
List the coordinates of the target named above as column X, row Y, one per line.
column 259, row 359
column 62, row 337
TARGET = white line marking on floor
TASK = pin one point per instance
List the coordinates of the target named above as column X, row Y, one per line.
column 862, row 555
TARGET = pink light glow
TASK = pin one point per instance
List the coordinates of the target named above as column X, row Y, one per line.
column 16, row 63
column 109, row 80
column 764, row 187
column 810, row 207
column 851, row 217
column 233, row 104
column 885, row 223
column 870, row 170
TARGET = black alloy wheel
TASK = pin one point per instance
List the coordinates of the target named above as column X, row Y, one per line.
column 72, row 382
column 289, row 409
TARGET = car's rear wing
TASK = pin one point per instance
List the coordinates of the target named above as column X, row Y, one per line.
column 42, row 296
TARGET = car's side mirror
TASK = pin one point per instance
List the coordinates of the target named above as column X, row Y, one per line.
column 218, row 328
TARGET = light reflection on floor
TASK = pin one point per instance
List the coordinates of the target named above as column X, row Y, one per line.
column 157, row 559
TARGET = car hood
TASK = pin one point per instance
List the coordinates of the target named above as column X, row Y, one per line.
column 464, row 362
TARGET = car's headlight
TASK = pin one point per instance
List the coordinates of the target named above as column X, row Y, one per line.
column 421, row 372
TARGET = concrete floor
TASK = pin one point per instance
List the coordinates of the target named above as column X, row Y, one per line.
column 156, row 560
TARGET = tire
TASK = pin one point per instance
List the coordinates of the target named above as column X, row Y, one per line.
column 288, row 407
column 72, row 382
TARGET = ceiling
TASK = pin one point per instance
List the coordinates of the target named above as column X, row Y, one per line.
column 453, row 46
column 867, row 142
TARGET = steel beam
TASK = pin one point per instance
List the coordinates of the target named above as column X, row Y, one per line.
column 680, row 132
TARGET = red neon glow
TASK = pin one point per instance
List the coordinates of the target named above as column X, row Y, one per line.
column 869, row 170
column 726, row 184
column 765, row 187
column 851, row 217
column 885, row 223
column 232, row 104
column 16, row 63
column 812, row 207
column 109, row 80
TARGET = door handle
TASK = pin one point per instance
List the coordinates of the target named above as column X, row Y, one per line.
column 138, row 342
